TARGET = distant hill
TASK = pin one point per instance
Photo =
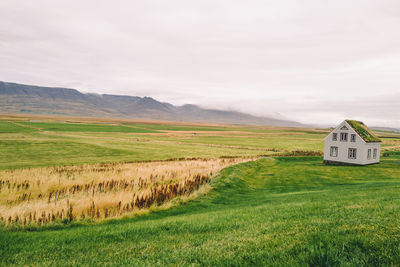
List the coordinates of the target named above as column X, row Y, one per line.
column 389, row 129
column 20, row 98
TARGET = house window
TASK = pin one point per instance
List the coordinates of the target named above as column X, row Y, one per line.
column 334, row 137
column 344, row 128
column 352, row 138
column 352, row 153
column 375, row 153
column 369, row 154
column 334, row 151
column 343, row 137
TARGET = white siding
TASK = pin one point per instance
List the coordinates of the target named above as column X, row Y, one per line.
column 372, row 146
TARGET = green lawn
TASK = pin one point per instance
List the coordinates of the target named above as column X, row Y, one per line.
column 81, row 127
column 272, row 212
column 9, row 127
column 34, row 144
column 47, row 152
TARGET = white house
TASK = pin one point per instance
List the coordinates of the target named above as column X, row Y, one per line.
column 352, row 142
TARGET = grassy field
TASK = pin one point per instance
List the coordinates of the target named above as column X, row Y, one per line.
column 50, row 143
column 82, row 127
column 40, row 196
column 12, row 127
column 275, row 211
column 283, row 211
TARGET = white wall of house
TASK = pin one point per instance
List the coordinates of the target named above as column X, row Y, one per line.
column 373, row 158
column 361, row 147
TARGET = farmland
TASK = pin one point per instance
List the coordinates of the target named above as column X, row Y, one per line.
column 45, row 195
column 52, row 143
column 275, row 204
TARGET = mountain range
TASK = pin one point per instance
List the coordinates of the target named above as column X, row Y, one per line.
column 21, row 98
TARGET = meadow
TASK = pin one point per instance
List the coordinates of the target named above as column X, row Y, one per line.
column 48, row 142
column 41, row 196
column 276, row 204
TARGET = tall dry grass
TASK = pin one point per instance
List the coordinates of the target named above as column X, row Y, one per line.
column 45, row 195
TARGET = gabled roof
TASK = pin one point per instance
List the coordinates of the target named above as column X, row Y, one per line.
column 363, row 131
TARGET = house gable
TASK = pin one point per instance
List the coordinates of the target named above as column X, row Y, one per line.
column 343, row 127
column 359, row 128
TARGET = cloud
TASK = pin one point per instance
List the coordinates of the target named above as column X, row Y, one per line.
column 313, row 61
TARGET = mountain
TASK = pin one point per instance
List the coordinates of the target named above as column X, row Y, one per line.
column 389, row 129
column 20, row 98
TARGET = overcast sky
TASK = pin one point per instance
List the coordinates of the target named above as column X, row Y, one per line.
column 310, row 61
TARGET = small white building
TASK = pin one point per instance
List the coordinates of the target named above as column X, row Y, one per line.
column 352, row 142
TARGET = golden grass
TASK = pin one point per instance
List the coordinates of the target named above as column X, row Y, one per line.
column 100, row 191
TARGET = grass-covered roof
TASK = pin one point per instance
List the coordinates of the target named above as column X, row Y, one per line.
column 363, row 131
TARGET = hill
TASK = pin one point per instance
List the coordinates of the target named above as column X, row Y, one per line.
column 385, row 129
column 20, row 98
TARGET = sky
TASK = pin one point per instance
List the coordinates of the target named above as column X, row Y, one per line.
column 316, row 62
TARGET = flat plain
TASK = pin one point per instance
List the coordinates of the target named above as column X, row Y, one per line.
column 280, row 207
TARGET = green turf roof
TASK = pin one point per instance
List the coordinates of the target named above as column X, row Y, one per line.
column 366, row 134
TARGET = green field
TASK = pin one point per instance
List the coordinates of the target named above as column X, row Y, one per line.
column 166, row 127
column 10, row 127
column 271, row 212
column 81, row 127
column 34, row 144
column 284, row 211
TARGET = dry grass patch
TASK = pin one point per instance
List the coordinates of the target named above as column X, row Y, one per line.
column 45, row 195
